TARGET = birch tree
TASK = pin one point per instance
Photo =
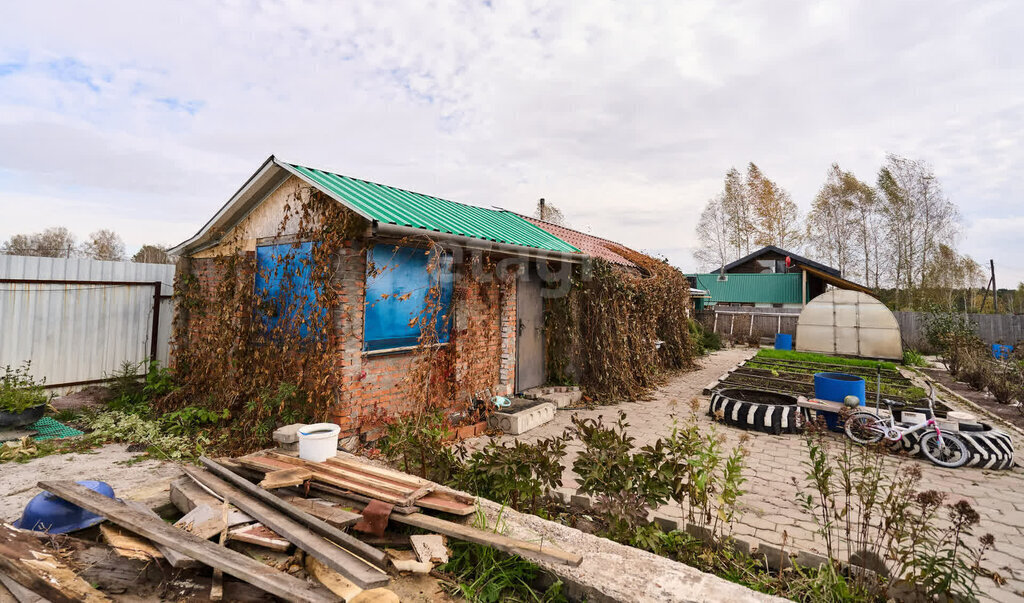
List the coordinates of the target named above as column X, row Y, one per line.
column 716, row 246
column 775, row 217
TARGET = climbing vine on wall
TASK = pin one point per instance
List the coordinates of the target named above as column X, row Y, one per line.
column 266, row 356
column 605, row 333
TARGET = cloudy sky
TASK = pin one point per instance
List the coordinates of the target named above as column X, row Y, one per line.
column 625, row 115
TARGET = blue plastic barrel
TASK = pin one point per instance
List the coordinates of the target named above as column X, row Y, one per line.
column 783, row 341
column 1001, row 351
column 835, row 387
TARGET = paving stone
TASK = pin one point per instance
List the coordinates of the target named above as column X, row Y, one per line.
column 774, row 462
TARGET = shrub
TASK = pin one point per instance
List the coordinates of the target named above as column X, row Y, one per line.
column 519, row 474
column 704, row 339
column 19, row 391
column 419, row 444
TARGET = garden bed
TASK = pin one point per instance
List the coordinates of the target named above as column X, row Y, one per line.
column 1011, row 414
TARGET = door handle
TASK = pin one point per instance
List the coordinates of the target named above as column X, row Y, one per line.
column 519, row 330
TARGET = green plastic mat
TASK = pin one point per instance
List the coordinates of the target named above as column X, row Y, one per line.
column 49, row 429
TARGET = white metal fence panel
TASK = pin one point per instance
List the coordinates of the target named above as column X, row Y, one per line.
column 78, row 320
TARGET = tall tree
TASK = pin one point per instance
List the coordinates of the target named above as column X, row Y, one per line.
column 53, row 242
column 104, row 244
column 917, row 217
column 776, row 218
column 549, row 213
column 739, row 218
column 839, row 223
column 152, row 254
column 716, row 245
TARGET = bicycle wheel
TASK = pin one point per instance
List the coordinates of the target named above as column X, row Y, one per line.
column 863, row 428
column 952, row 452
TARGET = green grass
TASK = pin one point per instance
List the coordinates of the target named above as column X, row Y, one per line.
column 823, row 358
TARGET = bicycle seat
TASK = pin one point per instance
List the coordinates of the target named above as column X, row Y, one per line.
column 895, row 404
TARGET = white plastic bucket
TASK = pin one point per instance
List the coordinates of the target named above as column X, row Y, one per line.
column 318, row 442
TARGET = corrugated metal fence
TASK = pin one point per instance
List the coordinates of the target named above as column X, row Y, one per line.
column 78, row 320
column 748, row 323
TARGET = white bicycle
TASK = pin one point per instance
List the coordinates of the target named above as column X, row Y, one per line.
column 943, row 449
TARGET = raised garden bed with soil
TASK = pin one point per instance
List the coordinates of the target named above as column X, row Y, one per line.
column 1011, row 414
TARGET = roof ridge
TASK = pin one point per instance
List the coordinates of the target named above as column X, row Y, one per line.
column 381, row 184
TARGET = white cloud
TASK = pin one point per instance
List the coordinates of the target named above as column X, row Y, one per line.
column 625, row 115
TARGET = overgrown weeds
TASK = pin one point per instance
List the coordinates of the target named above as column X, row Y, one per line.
column 483, row 574
column 19, row 391
column 878, row 515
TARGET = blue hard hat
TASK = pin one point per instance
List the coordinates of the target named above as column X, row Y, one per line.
column 50, row 513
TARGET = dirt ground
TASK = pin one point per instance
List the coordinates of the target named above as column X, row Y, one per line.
column 138, row 481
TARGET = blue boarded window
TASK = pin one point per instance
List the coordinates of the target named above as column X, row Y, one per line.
column 285, row 292
column 398, row 284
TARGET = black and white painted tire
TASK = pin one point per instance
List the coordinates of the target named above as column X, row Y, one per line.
column 989, row 448
column 769, row 418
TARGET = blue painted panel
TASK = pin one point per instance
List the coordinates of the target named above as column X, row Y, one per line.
column 285, row 293
column 397, row 286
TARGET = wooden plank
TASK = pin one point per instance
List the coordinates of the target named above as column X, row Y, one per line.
column 206, row 521
column 283, row 478
column 368, row 469
column 318, row 526
column 129, row 545
column 429, row 548
column 176, row 558
column 491, row 539
column 438, row 502
column 12, row 592
column 333, row 515
column 25, row 560
column 401, row 487
column 338, row 477
column 217, row 584
column 265, row 464
column 260, row 535
column 231, row 562
column 187, row 495
column 341, row 560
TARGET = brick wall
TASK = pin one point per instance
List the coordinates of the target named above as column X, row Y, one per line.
column 483, row 340
column 483, row 344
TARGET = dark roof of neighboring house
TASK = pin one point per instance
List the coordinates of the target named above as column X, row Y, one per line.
column 589, row 244
column 797, row 259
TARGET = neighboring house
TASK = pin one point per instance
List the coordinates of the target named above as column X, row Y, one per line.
column 378, row 343
column 765, row 279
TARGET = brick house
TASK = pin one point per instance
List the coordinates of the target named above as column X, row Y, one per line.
column 377, row 345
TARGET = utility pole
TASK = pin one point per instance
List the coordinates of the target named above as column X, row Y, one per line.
column 995, row 292
column 991, row 284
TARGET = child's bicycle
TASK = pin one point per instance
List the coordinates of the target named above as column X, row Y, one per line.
column 943, row 449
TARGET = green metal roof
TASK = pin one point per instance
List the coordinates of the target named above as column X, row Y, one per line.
column 751, row 288
column 405, row 208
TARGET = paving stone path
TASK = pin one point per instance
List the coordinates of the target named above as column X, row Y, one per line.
column 769, row 504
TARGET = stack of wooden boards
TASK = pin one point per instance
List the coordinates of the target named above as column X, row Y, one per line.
column 362, row 481
column 224, row 504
